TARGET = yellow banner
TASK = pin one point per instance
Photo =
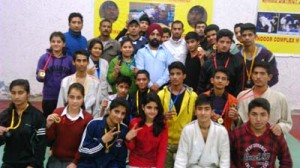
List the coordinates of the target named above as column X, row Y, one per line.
column 163, row 12
column 278, row 26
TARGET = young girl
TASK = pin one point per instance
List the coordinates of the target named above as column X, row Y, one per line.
column 65, row 128
column 148, row 143
column 102, row 143
column 98, row 66
column 123, row 64
column 52, row 67
column 22, row 130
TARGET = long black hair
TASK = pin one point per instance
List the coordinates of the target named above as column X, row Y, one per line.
column 158, row 122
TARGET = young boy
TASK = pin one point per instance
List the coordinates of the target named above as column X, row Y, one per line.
column 91, row 84
column 280, row 115
column 203, row 143
column 224, row 104
column 178, row 101
column 252, row 53
column 254, row 144
column 223, row 58
column 122, row 85
column 142, row 79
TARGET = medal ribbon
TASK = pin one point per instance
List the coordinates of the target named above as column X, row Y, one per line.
column 137, row 100
column 226, row 64
column 13, row 119
column 172, row 103
column 252, row 63
column 107, row 146
column 47, row 62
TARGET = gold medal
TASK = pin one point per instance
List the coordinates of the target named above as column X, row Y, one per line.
column 42, row 74
column 214, row 47
column 57, row 120
column 199, row 48
column 220, row 120
column 106, row 150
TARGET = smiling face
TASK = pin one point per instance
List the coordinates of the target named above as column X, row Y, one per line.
column 96, row 50
column 57, row 44
column 151, row 111
column 116, row 115
column 127, row 49
column 19, row 96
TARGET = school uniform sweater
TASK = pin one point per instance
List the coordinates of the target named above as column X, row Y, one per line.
column 146, row 150
column 66, row 136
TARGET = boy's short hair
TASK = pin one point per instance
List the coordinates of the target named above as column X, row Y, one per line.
column 80, row 52
column 142, row 71
column 204, row 99
column 224, row 33
column 259, row 102
column 200, row 22
column 123, row 79
column 248, row 26
column 177, row 65
column 192, row 35
column 222, row 70
column 237, row 25
column 211, row 27
column 265, row 65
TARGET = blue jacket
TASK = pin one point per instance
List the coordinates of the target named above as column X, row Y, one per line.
column 93, row 150
column 74, row 41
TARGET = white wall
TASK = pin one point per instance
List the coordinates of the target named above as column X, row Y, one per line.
column 27, row 24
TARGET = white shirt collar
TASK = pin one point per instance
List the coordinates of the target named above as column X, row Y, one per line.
column 79, row 115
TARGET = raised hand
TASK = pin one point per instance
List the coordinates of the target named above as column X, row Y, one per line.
column 109, row 135
column 133, row 132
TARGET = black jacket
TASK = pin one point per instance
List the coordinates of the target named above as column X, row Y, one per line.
column 26, row 144
column 234, row 70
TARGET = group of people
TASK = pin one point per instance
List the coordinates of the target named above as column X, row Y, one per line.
column 197, row 101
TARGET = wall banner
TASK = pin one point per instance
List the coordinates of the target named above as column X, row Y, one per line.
column 163, row 12
column 278, row 26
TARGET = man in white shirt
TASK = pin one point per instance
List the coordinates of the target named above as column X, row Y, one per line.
column 176, row 44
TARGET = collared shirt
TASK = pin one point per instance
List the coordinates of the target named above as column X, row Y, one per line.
column 79, row 115
column 178, row 49
column 156, row 65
